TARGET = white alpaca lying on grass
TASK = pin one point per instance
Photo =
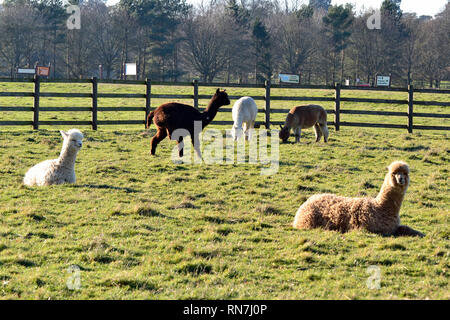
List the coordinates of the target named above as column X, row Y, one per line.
column 244, row 114
column 61, row 170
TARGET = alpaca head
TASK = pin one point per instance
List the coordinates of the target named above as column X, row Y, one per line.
column 236, row 132
column 284, row 133
column 73, row 139
column 398, row 175
column 221, row 97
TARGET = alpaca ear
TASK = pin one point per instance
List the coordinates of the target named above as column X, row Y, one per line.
column 217, row 91
column 281, row 128
column 64, row 134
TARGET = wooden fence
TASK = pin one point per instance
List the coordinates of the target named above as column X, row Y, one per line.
column 409, row 103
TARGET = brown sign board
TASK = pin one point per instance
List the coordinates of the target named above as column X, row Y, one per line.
column 43, row 71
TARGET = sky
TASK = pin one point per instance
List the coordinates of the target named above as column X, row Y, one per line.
column 420, row 7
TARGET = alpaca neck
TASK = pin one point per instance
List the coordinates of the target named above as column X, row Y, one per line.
column 210, row 112
column 390, row 197
column 290, row 121
column 67, row 157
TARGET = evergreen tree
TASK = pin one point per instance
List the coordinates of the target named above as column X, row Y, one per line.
column 337, row 25
column 54, row 17
column 305, row 11
column 392, row 7
column 263, row 56
column 320, row 4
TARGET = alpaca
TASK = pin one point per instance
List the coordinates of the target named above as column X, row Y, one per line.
column 61, row 170
column 244, row 113
column 171, row 116
column 303, row 117
column 378, row 215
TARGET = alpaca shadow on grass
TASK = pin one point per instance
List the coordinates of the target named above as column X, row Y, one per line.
column 106, row 186
column 412, row 148
column 150, row 212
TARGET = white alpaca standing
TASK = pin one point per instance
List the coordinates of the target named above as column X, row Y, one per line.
column 244, row 114
column 61, row 170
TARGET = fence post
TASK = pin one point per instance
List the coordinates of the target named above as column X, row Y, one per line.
column 267, row 108
column 337, row 106
column 148, row 95
column 37, row 86
column 94, row 102
column 410, row 108
column 195, row 83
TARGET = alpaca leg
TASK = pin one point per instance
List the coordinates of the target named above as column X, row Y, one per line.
column 318, row 132
column 324, row 129
column 180, row 146
column 245, row 127
column 407, row 231
column 251, row 129
column 157, row 138
column 298, row 132
column 196, row 143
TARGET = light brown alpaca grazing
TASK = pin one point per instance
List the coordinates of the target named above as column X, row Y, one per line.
column 379, row 215
column 303, row 117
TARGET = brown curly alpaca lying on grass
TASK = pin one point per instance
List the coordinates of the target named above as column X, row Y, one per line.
column 379, row 215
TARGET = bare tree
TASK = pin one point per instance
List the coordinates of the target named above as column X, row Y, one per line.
column 104, row 31
column 205, row 45
column 433, row 60
column 19, row 28
column 297, row 36
column 367, row 49
column 79, row 59
column 410, row 45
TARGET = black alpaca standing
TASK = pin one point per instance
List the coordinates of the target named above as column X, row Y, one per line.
column 171, row 116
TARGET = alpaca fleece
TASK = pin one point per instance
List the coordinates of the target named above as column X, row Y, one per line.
column 244, row 114
column 171, row 116
column 303, row 117
column 61, row 170
column 378, row 215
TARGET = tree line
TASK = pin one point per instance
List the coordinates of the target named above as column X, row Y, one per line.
column 243, row 41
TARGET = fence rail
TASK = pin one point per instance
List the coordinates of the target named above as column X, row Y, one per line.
column 94, row 95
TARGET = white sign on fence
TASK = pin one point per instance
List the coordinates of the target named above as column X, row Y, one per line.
column 383, row 81
column 289, row 78
column 26, row 71
column 130, row 69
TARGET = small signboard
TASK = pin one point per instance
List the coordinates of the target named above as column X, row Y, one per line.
column 130, row 69
column 26, row 71
column 43, row 71
column 288, row 78
column 383, row 81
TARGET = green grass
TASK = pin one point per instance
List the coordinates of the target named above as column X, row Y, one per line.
column 142, row 227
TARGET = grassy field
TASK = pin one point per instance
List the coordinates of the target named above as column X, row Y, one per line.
column 142, row 227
